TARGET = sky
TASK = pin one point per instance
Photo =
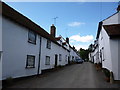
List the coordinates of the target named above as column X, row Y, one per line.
column 76, row 20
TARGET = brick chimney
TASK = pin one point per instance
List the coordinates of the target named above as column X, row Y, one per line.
column 67, row 40
column 53, row 30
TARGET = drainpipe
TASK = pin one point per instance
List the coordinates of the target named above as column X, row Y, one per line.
column 39, row 56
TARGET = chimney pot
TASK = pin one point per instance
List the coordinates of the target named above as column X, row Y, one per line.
column 67, row 40
column 53, row 30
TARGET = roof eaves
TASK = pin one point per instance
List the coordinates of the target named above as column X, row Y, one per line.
column 15, row 16
column 99, row 29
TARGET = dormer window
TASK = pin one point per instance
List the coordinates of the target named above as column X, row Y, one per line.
column 32, row 37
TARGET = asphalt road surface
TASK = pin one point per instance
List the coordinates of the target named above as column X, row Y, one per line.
column 73, row 76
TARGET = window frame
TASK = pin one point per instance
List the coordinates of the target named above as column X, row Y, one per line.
column 27, row 66
column 48, row 45
column 103, row 56
column 60, row 57
column 46, row 63
column 29, row 40
column 66, row 58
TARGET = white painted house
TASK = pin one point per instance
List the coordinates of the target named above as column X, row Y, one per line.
column 108, row 37
column 20, row 45
column 27, row 48
column 94, row 54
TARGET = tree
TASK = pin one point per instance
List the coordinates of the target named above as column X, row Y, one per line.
column 84, row 54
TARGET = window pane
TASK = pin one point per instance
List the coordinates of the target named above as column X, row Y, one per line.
column 47, row 62
column 32, row 37
column 30, row 61
column 60, row 57
column 48, row 44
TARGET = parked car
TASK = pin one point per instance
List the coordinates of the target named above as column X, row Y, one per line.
column 79, row 60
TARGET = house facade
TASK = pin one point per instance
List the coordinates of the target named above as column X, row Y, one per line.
column 108, row 37
column 26, row 48
column 94, row 53
column 73, row 54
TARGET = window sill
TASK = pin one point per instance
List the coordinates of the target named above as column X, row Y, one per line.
column 29, row 67
column 32, row 42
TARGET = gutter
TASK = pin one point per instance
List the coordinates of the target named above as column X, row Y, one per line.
column 39, row 56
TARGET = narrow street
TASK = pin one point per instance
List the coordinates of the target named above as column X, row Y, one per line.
column 73, row 76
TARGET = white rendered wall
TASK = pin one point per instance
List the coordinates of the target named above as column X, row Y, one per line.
column 105, row 43
column 114, row 44
column 119, row 59
column 0, row 48
column 15, row 50
column 72, row 54
column 55, row 49
column 111, row 47
column 95, row 55
column 0, row 33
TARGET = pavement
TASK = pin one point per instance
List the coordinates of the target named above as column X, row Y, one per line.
column 73, row 76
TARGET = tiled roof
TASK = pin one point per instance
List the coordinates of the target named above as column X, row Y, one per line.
column 112, row 30
column 20, row 19
column 17, row 17
column 58, row 38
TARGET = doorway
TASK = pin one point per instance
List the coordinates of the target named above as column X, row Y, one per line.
column 56, row 59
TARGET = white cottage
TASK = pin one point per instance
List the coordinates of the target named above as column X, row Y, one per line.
column 28, row 48
column 65, row 51
column 73, row 54
column 108, row 36
column 94, row 52
column 21, row 44
column 55, row 53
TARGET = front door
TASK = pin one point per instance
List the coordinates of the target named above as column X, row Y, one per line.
column 56, row 59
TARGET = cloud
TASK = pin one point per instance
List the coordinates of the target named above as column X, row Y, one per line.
column 74, row 24
column 78, row 46
column 81, row 46
column 78, row 38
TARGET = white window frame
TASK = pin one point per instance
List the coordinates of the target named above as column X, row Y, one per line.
column 60, row 57
column 48, row 44
column 65, row 57
column 30, row 63
column 32, row 37
column 47, row 60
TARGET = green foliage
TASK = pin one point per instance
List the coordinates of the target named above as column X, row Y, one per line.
column 84, row 54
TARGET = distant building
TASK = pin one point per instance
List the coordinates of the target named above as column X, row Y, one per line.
column 94, row 52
